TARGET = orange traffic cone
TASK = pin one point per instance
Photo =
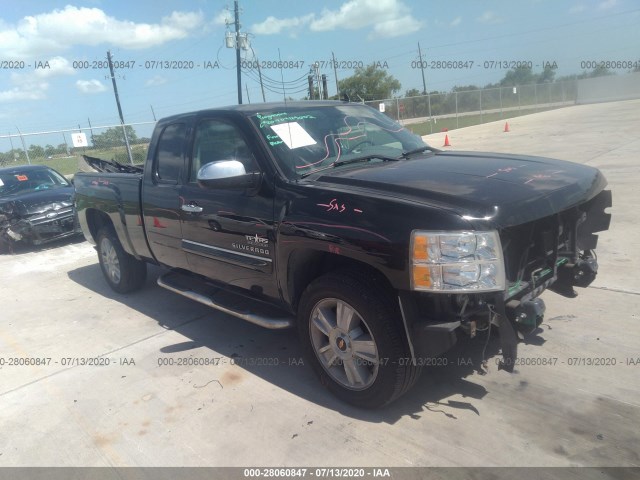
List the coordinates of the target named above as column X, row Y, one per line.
column 446, row 141
column 157, row 223
column 506, row 126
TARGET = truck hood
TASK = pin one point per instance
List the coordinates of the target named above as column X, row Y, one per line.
column 502, row 189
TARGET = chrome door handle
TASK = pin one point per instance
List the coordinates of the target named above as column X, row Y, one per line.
column 192, row 208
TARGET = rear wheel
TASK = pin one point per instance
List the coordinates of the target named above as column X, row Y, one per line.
column 353, row 336
column 124, row 273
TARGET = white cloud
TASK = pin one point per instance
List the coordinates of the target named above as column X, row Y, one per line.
column 607, row 4
column 27, row 87
column 223, row 17
column 272, row 25
column 385, row 15
column 58, row 30
column 90, row 86
column 34, row 86
column 155, row 81
column 489, row 17
column 395, row 27
column 387, row 18
column 57, row 66
column 455, row 22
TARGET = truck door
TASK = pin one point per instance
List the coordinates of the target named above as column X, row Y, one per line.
column 161, row 196
column 228, row 234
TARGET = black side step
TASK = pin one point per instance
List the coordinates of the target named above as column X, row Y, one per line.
column 246, row 308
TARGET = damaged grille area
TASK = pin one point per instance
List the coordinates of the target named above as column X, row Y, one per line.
column 554, row 249
column 531, row 250
column 40, row 228
column 52, row 215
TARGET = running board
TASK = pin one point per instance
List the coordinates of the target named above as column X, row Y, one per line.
column 246, row 308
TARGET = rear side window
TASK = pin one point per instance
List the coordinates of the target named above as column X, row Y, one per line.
column 170, row 154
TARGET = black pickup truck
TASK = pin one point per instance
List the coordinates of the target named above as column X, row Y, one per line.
column 332, row 218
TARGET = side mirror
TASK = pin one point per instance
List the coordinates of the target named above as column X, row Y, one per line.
column 227, row 174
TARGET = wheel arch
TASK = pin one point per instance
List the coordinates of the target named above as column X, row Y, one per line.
column 306, row 265
column 96, row 219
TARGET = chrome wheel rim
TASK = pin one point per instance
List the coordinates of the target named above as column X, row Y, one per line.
column 343, row 343
column 110, row 260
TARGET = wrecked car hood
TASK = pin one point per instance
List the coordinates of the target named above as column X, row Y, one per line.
column 26, row 204
column 501, row 189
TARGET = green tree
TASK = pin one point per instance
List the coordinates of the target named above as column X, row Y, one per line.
column 547, row 75
column 11, row 156
column 114, row 137
column 415, row 104
column 36, row 151
column 519, row 76
column 599, row 71
column 596, row 72
column 369, row 83
column 468, row 98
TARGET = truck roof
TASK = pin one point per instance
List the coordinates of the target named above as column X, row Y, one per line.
column 253, row 108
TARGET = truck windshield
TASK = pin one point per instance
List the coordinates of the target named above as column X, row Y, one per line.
column 305, row 140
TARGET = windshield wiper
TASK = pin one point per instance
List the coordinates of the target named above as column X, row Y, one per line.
column 408, row 153
column 339, row 163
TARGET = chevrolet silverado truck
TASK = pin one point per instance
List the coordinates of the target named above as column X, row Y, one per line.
column 332, row 218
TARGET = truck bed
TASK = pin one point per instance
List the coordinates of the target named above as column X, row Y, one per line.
column 118, row 196
column 110, row 166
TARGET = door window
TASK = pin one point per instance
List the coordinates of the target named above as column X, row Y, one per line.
column 216, row 140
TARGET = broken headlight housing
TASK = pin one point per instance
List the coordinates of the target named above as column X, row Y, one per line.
column 457, row 262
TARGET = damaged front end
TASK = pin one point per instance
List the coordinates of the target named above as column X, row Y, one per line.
column 556, row 252
column 36, row 224
column 36, row 206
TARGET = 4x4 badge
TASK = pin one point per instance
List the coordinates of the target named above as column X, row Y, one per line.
column 256, row 240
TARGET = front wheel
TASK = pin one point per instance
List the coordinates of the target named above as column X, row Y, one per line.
column 124, row 273
column 353, row 336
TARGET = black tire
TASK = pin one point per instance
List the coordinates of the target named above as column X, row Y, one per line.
column 123, row 272
column 362, row 358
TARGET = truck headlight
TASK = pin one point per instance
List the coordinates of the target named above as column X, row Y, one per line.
column 457, row 262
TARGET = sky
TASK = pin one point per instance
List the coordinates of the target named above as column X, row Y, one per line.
column 172, row 56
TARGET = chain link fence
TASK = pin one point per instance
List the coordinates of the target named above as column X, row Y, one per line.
column 438, row 111
column 488, row 104
column 56, row 148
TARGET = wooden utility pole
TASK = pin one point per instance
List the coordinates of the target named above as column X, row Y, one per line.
column 115, row 91
column 260, row 75
column 238, row 69
column 335, row 72
column 424, row 83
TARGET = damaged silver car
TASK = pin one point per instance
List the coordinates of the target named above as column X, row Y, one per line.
column 36, row 206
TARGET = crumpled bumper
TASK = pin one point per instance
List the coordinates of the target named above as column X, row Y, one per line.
column 40, row 228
